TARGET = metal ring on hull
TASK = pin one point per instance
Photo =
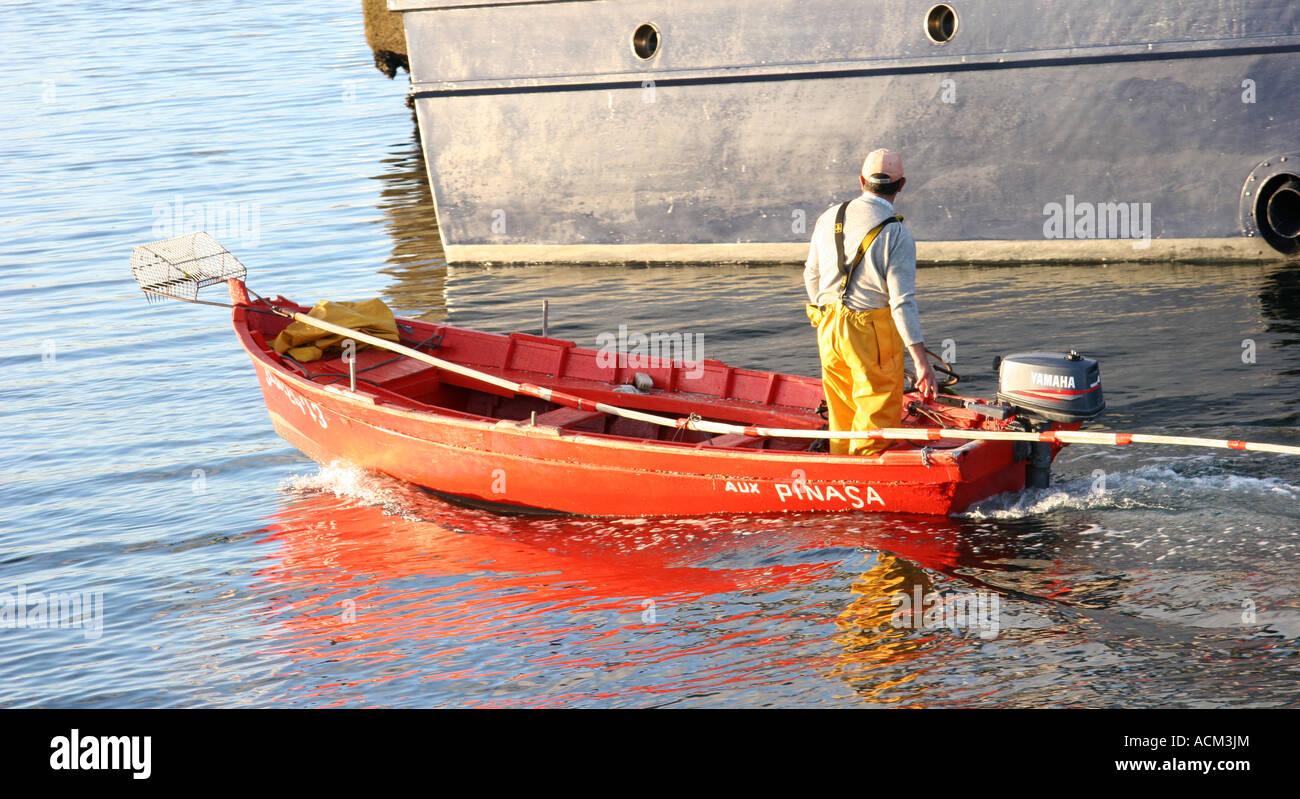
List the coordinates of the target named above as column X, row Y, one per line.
column 1270, row 203
column 645, row 41
column 941, row 23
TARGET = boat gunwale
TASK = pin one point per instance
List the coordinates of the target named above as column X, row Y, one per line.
column 841, row 68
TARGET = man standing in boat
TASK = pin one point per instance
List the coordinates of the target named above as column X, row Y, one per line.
column 864, row 307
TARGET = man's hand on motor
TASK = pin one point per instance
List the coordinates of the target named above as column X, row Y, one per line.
column 926, row 382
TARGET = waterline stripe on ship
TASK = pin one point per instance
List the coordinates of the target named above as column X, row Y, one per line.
column 1126, row 53
column 1079, row 251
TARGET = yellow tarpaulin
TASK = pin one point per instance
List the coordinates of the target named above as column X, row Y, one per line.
column 305, row 343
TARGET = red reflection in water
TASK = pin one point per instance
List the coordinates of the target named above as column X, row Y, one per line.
column 463, row 595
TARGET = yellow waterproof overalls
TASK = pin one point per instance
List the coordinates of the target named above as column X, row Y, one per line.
column 862, row 359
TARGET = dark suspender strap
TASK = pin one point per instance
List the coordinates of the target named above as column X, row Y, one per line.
column 839, row 238
column 867, row 241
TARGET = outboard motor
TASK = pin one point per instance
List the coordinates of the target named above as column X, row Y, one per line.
column 1049, row 387
column 1053, row 386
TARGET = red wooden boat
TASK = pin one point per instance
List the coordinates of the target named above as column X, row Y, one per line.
column 482, row 445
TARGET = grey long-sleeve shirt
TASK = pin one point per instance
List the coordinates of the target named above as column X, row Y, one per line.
column 886, row 278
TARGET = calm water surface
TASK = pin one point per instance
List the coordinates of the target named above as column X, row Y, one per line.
column 139, row 461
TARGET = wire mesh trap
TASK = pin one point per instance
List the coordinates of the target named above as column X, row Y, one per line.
column 179, row 267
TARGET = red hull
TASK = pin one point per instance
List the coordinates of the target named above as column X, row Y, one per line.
column 480, row 445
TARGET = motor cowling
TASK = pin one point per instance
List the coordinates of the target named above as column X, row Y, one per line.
column 1051, row 386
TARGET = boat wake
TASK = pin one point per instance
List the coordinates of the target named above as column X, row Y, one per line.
column 345, row 481
column 1148, row 487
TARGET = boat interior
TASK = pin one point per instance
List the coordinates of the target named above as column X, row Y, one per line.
column 711, row 390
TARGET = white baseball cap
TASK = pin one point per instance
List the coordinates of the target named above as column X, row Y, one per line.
column 883, row 162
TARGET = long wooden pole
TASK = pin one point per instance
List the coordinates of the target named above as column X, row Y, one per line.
column 703, row 425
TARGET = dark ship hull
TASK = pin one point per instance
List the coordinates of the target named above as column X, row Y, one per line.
column 1030, row 130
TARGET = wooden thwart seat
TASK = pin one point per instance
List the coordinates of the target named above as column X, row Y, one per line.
column 570, row 417
column 735, row 440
